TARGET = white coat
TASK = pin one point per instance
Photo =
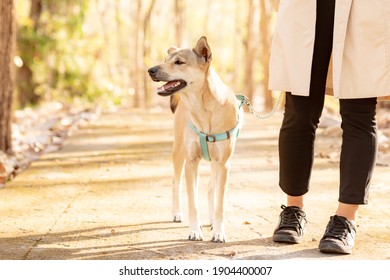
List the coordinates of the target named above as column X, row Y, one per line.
column 360, row 65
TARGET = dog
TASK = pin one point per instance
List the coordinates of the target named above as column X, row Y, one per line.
column 207, row 120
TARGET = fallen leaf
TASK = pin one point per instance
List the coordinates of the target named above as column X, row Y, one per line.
column 232, row 253
column 3, row 174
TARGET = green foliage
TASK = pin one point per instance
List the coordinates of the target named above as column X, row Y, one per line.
column 33, row 46
column 51, row 47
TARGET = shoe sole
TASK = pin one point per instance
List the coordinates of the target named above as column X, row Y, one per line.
column 286, row 239
column 331, row 249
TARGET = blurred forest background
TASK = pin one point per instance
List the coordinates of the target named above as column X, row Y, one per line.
column 62, row 55
column 86, row 53
column 83, row 51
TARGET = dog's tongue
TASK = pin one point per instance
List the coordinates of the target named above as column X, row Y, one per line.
column 167, row 86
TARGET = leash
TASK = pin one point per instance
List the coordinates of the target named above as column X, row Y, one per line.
column 241, row 99
column 252, row 111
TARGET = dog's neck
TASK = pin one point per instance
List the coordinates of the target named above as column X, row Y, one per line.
column 211, row 107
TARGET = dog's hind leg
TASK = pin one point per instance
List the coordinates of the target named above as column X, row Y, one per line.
column 222, row 171
column 191, row 172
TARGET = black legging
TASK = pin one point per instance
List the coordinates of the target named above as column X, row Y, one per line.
column 301, row 118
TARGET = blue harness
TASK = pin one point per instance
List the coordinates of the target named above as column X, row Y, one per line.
column 204, row 138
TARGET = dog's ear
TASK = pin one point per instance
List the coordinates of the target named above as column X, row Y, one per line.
column 203, row 50
column 172, row 49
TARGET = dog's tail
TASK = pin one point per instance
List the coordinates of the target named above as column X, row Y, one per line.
column 175, row 99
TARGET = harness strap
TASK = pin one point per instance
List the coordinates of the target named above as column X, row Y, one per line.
column 204, row 138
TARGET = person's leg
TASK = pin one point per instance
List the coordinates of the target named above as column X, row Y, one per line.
column 296, row 142
column 297, row 134
column 357, row 161
column 296, row 201
column 359, row 149
column 347, row 211
column 302, row 114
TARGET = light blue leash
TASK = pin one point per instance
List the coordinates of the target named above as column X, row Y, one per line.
column 204, row 138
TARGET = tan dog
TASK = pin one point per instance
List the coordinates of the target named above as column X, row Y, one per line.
column 205, row 107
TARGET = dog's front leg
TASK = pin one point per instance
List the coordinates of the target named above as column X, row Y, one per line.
column 211, row 197
column 222, row 173
column 178, row 163
column 191, row 173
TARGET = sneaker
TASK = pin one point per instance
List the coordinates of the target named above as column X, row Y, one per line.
column 339, row 236
column 292, row 221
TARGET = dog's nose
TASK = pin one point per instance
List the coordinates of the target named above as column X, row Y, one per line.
column 153, row 70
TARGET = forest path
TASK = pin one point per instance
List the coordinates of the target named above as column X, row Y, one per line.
column 107, row 195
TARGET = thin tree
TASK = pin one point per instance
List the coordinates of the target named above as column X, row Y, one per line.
column 137, row 54
column 141, row 52
column 236, row 47
column 179, row 9
column 146, row 49
column 6, row 83
column 25, row 76
column 265, row 52
column 249, row 52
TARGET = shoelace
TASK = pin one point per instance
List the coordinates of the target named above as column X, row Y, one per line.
column 291, row 218
column 338, row 228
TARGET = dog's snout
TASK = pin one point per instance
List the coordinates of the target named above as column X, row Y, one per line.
column 153, row 70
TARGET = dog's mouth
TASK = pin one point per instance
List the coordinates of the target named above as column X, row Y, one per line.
column 171, row 87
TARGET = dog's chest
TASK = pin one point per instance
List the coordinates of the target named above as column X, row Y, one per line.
column 217, row 151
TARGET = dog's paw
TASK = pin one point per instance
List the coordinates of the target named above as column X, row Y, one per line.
column 195, row 236
column 177, row 218
column 218, row 237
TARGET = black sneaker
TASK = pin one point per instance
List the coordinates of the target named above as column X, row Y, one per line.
column 339, row 236
column 292, row 221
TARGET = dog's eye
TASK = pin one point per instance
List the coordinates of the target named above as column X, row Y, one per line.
column 179, row 62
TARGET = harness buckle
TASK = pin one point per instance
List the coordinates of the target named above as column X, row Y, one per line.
column 212, row 137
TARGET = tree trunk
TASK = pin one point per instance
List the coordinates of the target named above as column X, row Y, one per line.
column 265, row 52
column 249, row 53
column 138, row 94
column 25, row 86
column 25, row 77
column 179, row 22
column 35, row 12
column 146, row 52
column 121, row 53
column 6, row 84
column 236, row 48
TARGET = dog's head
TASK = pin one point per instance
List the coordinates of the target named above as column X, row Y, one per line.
column 183, row 68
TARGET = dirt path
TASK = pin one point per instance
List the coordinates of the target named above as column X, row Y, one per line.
column 107, row 195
